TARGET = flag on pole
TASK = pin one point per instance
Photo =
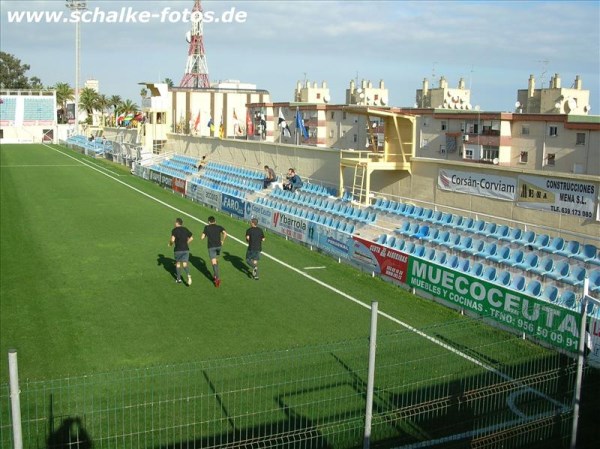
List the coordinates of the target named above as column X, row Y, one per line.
column 249, row 124
column 300, row 124
column 221, row 129
column 197, row 122
column 285, row 129
column 237, row 127
column 211, row 126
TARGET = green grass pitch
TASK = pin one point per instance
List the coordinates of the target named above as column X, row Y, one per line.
column 87, row 284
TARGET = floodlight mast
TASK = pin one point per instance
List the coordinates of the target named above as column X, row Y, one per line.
column 196, row 69
column 76, row 5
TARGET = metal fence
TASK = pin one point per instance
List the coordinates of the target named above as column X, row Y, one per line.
column 461, row 384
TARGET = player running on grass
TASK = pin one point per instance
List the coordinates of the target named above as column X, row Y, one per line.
column 216, row 235
column 254, row 237
column 181, row 238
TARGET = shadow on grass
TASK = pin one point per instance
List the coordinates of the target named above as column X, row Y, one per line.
column 199, row 264
column 70, row 433
column 168, row 264
column 238, row 263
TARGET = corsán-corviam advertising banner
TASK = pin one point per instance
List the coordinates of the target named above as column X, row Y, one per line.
column 539, row 319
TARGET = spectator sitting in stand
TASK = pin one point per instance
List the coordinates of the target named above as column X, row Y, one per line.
column 270, row 176
column 202, row 163
column 293, row 181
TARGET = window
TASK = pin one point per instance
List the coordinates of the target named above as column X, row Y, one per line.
column 332, row 115
column 525, row 130
column 580, row 139
column 490, row 153
column 355, row 137
column 376, row 97
column 344, row 115
column 331, row 133
column 425, row 143
column 444, row 125
column 551, row 159
column 524, row 157
column 318, row 96
column 443, row 150
column 553, row 131
column 468, row 153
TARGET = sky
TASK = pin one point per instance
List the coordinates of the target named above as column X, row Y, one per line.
column 493, row 45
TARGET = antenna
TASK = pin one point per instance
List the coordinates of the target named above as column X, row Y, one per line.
column 433, row 72
column 471, row 77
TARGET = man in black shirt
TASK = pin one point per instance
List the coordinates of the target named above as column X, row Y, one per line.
column 254, row 237
column 270, row 176
column 216, row 236
column 181, row 238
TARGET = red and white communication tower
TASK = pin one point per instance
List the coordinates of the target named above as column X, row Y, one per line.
column 196, row 70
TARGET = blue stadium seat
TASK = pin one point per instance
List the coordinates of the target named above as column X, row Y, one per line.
column 429, row 254
column 477, row 247
column 568, row 299
column 476, row 269
column 576, row 276
column 543, row 267
column 400, row 243
column 489, row 274
column 433, row 233
column 594, row 281
column 442, row 237
column 587, row 253
column 466, row 224
column 445, row 219
column 501, row 232
column 426, row 214
column 518, row 283
column 516, row 257
column 526, row 238
column 418, row 251
column 463, row 265
column 440, row 257
column 560, row 271
column 534, row 288
column 502, row 255
column 531, row 261
column 477, row 227
column 465, row 244
column 435, row 217
column 456, row 221
column 409, row 248
column 541, row 241
column 452, row 261
column 556, row 244
column 550, row 293
column 488, row 229
column 412, row 230
column 504, row 278
column 453, row 242
column 570, row 249
column 423, row 231
column 490, row 251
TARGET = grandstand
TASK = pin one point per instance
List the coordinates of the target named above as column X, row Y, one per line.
column 28, row 116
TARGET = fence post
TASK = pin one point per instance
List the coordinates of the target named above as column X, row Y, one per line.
column 371, row 376
column 15, row 401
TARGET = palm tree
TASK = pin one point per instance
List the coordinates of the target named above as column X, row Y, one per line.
column 88, row 100
column 143, row 93
column 115, row 101
column 64, row 94
column 129, row 106
column 103, row 104
column 169, row 82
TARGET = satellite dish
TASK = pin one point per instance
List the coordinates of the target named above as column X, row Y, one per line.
column 468, row 106
column 326, row 98
column 449, row 94
column 495, row 161
column 361, row 95
column 477, row 107
column 383, row 100
column 517, row 104
column 572, row 103
column 587, row 108
column 188, row 37
column 359, row 90
column 557, row 105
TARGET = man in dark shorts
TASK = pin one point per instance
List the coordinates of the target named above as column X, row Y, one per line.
column 254, row 237
column 180, row 239
column 216, row 236
column 270, row 176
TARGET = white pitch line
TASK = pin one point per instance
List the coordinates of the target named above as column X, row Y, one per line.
column 39, row 165
column 434, row 340
column 314, row 268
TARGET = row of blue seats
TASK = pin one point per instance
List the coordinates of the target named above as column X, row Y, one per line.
column 587, row 253
column 516, row 282
column 175, row 173
column 317, row 189
column 229, row 169
column 347, row 226
column 233, row 180
column 186, row 168
column 219, row 187
column 335, row 207
column 188, row 160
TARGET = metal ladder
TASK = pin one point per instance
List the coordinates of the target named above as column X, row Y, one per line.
column 358, row 186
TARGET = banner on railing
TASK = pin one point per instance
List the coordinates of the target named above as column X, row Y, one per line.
column 330, row 240
column 593, row 342
column 294, row 227
column 480, row 184
column 562, row 196
column 232, row 205
column 539, row 319
column 388, row 262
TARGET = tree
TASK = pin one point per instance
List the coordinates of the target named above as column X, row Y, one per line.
column 88, row 100
column 102, row 103
column 64, row 94
column 12, row 74
column 143, row 93
column 128, row 107
column 115, row 101
column 169, row 82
